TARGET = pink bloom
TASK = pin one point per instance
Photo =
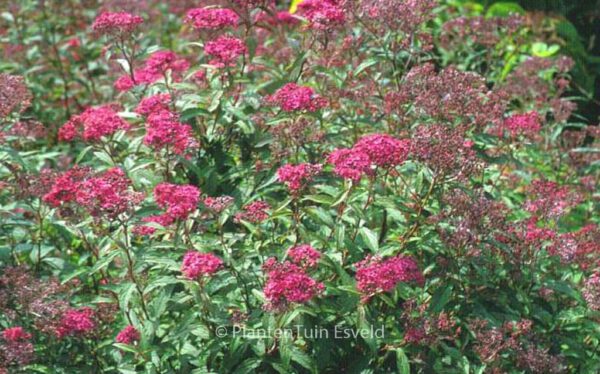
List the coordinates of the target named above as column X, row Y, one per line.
column 124, row 83
column 288, row 283
column 296, row 177
column 375, row 275
column 384, row 150
column 286, row 18
column 304, row 256
column 161, row 219
column 550, row 199
column 162, row 61
column 15, row 334
column 196, row 264
column 76, row 322
column 350, row 163
column 225, row 50
column 254, row 212
column 65, row 187
column 322, row 14
column 212, row 18
column 128, row 335
column 528, row 124
column 153, row 104
column 96, row 123
column 108, row 194
column 179, row 200
column 292, row 97
column 116, row 23
column 163, row 130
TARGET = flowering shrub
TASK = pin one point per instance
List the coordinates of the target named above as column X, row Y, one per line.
column 236, row 186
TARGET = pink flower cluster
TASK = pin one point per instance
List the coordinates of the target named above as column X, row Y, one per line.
column 304, row 256
column 76, row 322
column 293, row 98
column 116, row 23
column 128, row 335
column 164, row 131
column 296, row 177
column 375, row 275
column 384, row 150
column 225, row 50
column 153, row 104
column 95, row 122
column 196, row 264
column 212, row 18
column 154, row 69
column 108, row 194
column 15, row 334
column 549, row 199
column 178, row 200
column 527, row 124
column 379, row 150
column 218, row 204
column 254, row 212
column 65, row 186
column 322, row 14
column 288, row 283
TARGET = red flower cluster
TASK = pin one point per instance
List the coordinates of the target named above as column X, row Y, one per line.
column 375, row 275
column 293, row 98
column 254, row 212
column 153, row 104
column 549, row 199
column 154, row 69
column 528, row 124
column 96, row 123
column 76, row 322
column 15, row 334
column 322, row 14
column 225, row 50
column 212, row 18
column 178, row 200
column 65, row 186
column 350, row 163
column 296, row 177
column 304, row 256
column 128, row 335
column 384, row 150
column 288, row 283
column 196, row 264
column 164, row 131
column 108, row 194
column 116, row 23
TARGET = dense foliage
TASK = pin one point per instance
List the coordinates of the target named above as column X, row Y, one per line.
column 363, row 186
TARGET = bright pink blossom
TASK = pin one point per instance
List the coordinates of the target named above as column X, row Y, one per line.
column 375, row 275
column 65, row 187
column 296, row 177
column 116, row 23
column 304, row 255
column 76, row 322
column 196, row 264
column 292, row 98
column 350, row 163
column 93, row 124
column 15, row 334
column 153, row 104
column 179, row 200
column 212, row 18
column 528, row 124
column 128, row 335
column 288, row 283
column 225, row 50
column 384, row 150
column 254, row 212
column 164, row 131
column 322, row 14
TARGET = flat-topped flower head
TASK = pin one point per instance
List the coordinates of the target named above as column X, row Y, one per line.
column 384, row 150
column 15, row 334
column 527, row 124
column 225, row 50
column 350, row 163
column 375, row 275
column 128, row 335
column 254, row 212
column 296, row 177
column 293, row 98
column 119, row 23
column 286, row 284
column 153, row 104
column 304, row 256
column 93, row 124
column 76, row 322
column 178, row 200
column 196, row 264
column 322, row 14
column 212, row 18
column 164, row 131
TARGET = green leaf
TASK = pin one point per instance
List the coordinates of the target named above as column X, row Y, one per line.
column 370, row 239
column 402, row 364
column 440, row 298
